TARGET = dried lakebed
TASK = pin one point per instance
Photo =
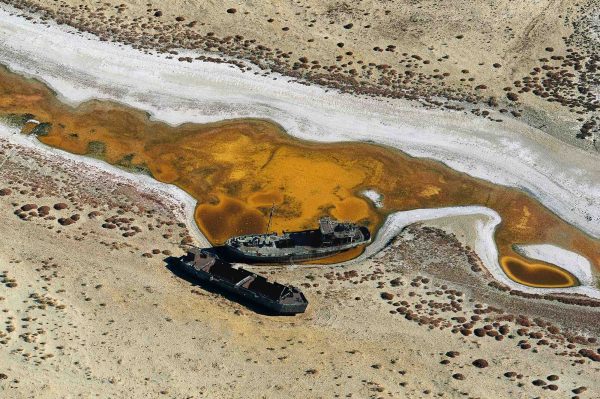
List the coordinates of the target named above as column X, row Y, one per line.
column 236, row 169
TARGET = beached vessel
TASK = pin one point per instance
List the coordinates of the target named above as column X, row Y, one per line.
column 278, row 298
column 330, row 238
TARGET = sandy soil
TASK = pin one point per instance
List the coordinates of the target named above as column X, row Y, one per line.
column 533, row 60
column 103, row 314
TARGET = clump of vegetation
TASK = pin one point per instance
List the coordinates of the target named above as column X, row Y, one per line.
column 127, row 163
column 42, row 129
column 96, row 149
column 15, row 120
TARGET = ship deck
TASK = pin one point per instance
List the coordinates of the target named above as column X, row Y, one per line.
column 298, row 245
column 242, row 278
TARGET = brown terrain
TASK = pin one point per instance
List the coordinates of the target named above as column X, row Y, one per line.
column 497, row 59
column 90, row 306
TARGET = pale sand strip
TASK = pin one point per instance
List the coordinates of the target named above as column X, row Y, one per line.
column 80, row 67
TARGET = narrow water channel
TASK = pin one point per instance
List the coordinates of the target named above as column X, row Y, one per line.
column 237, row 169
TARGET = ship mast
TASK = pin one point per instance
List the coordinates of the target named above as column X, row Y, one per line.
column 270, row 217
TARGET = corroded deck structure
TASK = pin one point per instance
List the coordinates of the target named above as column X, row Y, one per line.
column 332, row 237
column 278, row 298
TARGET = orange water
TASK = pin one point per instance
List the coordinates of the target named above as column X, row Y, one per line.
column 237, row 169
column 537, row 274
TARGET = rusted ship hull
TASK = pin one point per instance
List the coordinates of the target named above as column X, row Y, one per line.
column 330, row 239
column 239, row 256
column 277, row 298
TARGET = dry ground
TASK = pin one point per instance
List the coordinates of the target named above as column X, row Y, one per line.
column 104, row 315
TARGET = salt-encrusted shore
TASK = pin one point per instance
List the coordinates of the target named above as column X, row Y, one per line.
column 183, row 204
column 574, row 263
column 80, row 67
column 483, row 231
column 482, row 240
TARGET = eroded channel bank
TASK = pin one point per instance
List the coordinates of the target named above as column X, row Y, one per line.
column 236, row 169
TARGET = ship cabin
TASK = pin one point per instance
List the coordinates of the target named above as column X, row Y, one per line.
column 335, row 233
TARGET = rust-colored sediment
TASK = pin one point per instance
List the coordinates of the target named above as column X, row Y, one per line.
column 339, row 258
column 236, row 169
column 537, row 274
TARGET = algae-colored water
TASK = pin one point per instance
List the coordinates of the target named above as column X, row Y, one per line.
column 537, row 274
column 237, row 169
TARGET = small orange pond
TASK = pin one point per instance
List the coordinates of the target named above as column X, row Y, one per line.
column 236, row 169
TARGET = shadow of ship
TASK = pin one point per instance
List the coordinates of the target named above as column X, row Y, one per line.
column 222, row 252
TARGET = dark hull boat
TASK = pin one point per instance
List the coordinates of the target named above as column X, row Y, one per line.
column 330, row 238
column 278, row 298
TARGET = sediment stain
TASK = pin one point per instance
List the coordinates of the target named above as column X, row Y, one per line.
column 237, row 169
column 536, row 274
